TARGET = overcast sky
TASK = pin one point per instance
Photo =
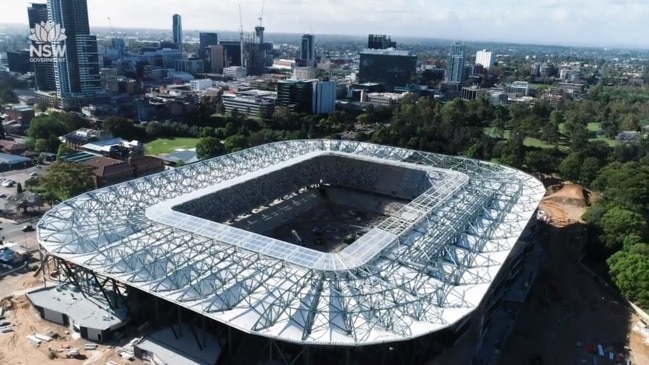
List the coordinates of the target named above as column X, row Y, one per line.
column 578, row 22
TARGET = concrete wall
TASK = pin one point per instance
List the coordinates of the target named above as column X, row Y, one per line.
column 53, row 316
column 95, row 335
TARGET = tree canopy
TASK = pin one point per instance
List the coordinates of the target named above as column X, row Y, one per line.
column 208, row 147
column 65, row 180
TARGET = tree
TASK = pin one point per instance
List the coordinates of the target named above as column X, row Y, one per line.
column 122, row 128
column 65, row 180
column 72, row 121
column 630, row 272
column 207, row 132
column 588, row 171
column 46, row 126
column 236, row 143
column 41, row 106
column 230, row 129
column 42, row 145
column 618, row 222
column 63, row 150
column 570, row 167
column 208, row 147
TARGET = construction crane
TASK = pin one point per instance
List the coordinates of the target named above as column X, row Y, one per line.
column 261, row 13
column 259, row 30
column 241, row 35
column 112, row 28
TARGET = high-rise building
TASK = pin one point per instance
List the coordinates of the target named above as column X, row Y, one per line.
column 119, row 45
column 455, row 67
column 388, row 67
column 77, row 74
column 177, row 29
column 304, row 73
column 307, row 50
column 19, row 62
column 380, row 41
column 485, row 58
column 109, row 79
column 307, row 96
column 206, row 40
column 232, row 50
column 217, row 58
column 324, row 100
column 43, row 71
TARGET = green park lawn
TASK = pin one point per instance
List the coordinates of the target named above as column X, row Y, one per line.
column 168, row 145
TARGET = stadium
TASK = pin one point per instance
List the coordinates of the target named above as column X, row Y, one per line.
column 308, row 251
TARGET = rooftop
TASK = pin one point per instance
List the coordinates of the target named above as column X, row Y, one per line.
column 177, row 345
column 85, row 310
column 387, row 52
column 415, row 273
column 13, row 159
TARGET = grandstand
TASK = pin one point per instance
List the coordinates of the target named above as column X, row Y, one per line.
column 332, row 247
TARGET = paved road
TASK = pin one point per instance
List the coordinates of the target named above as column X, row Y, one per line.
column 12, row 232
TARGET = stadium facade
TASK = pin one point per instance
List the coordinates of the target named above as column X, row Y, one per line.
column 185, row 238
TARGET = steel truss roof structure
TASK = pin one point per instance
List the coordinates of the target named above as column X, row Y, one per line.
column 421, row 270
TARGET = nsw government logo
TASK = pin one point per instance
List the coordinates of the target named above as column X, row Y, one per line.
column 47, row 42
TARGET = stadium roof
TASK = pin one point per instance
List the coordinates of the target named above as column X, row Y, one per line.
column 421, row 270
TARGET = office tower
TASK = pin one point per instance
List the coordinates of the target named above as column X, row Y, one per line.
column 324, row 100
column 77, row 74
column 388, row 67
column 119, row 45
column 207, row 39
column 178, row 31
column 217, row 58
column 455, row 67
column 485, row 58
column 377, row 41
column 19, row 62
column 308, row 96
column 307, row 52
column 232, row 50
column 109, row 79
column 43, row 71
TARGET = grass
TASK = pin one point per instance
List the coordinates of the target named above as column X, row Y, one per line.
column 168, row 145
column 610, row 142
column 529, row 141
column 594, row 127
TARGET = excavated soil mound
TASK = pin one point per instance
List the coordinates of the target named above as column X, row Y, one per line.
column 568, row 193
column 565, row 203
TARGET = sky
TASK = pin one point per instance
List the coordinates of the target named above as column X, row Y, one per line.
column 605, row 23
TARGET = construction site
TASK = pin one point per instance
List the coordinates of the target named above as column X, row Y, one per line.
column 572, row 316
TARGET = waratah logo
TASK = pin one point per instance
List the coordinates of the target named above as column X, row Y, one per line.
column 47, row 32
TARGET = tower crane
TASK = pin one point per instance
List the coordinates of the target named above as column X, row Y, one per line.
column 241, row 35
column 112, row 28
column 259, row 30
column 261, row 13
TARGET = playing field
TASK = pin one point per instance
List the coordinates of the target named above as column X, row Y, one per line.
column 168, row 145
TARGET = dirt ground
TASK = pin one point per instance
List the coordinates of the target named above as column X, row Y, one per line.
column 569, row 311
column 565, row 203
column 15, row 349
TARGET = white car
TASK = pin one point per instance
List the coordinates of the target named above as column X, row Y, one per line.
column 33, row 174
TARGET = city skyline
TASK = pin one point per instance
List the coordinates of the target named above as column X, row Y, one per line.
column 605, row 23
